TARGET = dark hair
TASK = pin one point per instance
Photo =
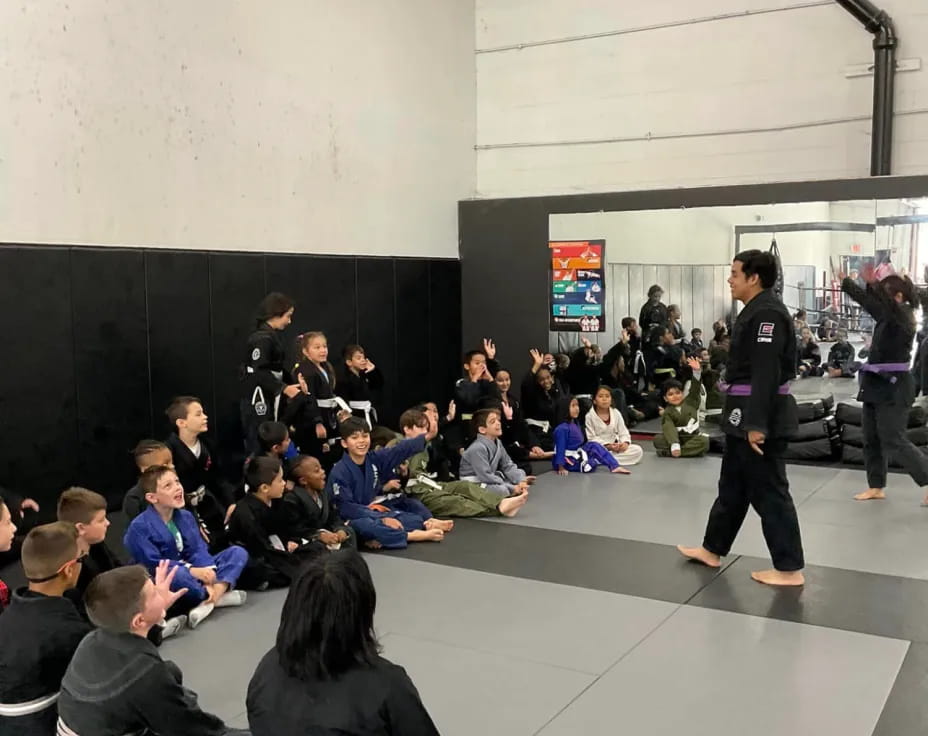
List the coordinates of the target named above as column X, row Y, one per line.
column 273, row 305
column 481, row 417
column 352, row 426
column 261, row 471
column 147, row 447
column 758, row 262
column 349, row 352
column 148, row 481
column 674, row 308
column 655, row 288
column 114, row 597
column 627, row 322
column 179, row 408
column 801, row 314
column 669, row 384
column 562, row 411
column 271, row 434
column 303, row 341
column 694, row 331
column 327, row 622
column 297, row 463
column 413, row 418
column 895, row 284
column 469, row 355
column 78, row 505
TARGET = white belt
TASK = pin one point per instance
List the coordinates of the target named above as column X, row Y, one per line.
column 16, row 710
column 368, row 408
column 337, row 403
column 543, row 426
column 423, row 480
column 583, row 396
column 473, row 479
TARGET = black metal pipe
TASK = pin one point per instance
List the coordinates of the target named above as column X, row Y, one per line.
column 879, row 23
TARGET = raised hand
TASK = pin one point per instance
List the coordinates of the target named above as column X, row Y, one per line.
column 538, row 358
column 452, row 410
column 369, row 367
column 694, row 364
column 164, row 576
column 489, row 348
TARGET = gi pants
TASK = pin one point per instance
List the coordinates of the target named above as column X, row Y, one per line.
column 457, row 498
column 884, row 437
column 229, row 564
column 749, row 479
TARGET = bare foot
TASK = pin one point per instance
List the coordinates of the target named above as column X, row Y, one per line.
column 373, row 544
column 778, row 578
column 871, row 494
column 426, row 535
column 530, row 479
column 444, row 525
column 621, row 471
column 511, row 505
column 700, row 554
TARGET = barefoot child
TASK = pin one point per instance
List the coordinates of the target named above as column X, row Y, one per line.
column 356, row 485
column 572, row 453
column 680, row 435
column 456, row 498
column 605, row 426
column 307, row 513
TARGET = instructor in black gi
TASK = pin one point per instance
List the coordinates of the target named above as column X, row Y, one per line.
column 759, row 416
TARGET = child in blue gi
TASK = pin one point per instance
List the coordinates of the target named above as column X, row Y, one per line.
column 379, row 513
column 572, row 453
column 166, row 531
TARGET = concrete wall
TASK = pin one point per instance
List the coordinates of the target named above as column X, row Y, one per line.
column 294, row 125
column 694, row 93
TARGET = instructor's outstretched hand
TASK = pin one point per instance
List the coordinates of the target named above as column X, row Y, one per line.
column 755, row 440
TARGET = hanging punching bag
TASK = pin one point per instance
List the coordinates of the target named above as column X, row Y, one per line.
column 778, row 286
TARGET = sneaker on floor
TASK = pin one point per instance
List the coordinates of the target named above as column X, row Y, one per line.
column 173, row 626
column 198, row 614
column 232, row 598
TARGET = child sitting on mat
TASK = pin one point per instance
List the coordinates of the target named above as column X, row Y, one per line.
column 680, row 435
column 572, row 453
column 605, row 426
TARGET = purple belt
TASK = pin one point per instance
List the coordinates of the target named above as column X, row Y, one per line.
column 744, row 389
column 885, row 367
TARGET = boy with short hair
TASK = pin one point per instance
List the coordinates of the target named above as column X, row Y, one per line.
column 167, row 531
column 457, row 498
column 147, row 454
column 695, row 344
column 209, row 497
column 358, row 379
column 356, row 485
column 680, row 435
column 147, row 695
column 486, row 461
column 87, row 511
column 40, row 630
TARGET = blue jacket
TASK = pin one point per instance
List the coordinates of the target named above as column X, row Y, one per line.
column 353, row 487
column 567, row 436
column 149, row 541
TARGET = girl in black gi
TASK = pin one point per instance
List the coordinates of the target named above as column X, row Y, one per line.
column 887, row 388
column 264, row 377
column 317, row 428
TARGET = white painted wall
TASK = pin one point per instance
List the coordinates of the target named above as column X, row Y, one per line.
column 293, row 125
column 771, row 71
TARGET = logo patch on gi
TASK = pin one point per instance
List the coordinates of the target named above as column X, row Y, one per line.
column 261, row 409
column 734, row 419
column 256, row 353
column 336, row 489
column 765, row 332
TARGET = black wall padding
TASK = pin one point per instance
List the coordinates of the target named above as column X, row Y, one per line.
column 445, row 302
column 848, row 413
column 38, row 405
column 98, row 340
column 412, row 322
column 110, row 358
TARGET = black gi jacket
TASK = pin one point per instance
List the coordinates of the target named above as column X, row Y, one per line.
column 358, row 387
column 365, row 701
column 840, row 355
column 300, row 517
column 763, row 356
column 38, row 637
column 892, row 343
column 265, row 357
column 653, row 315
column 147, row 693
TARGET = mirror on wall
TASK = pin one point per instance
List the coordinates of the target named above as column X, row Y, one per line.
column 603, row 263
